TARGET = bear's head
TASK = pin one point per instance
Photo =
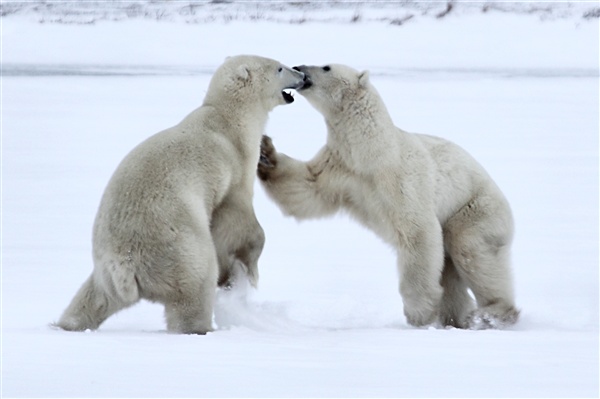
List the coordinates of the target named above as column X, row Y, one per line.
column 253, row 80
column 331, row 87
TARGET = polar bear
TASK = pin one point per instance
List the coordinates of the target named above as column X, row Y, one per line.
column 428, row 198
column 176, row 218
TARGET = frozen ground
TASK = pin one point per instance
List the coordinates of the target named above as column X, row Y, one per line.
column 519, row 93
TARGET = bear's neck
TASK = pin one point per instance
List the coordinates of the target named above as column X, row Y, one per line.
column 364, row 131
column 249, row 112
column 361, row 120
column 242, row 124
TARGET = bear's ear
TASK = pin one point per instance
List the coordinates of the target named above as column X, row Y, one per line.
column 243, row 72
column 363, row 78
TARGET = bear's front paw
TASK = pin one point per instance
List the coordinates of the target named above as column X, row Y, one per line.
column 268, row 159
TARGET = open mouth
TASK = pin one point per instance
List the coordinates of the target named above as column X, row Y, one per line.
column 288, row 92
column 288, row 95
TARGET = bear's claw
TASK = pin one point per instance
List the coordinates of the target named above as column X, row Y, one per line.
column 264, row 161
column 267, row 161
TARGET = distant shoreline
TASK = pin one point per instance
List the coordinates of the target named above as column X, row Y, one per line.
column 394, row 13
column 107, row 70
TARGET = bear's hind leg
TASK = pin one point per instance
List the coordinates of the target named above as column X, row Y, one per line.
column 456, row 302
column 90, row 307
column 191, row 311
column 483, row 263
column 189, row 308
column 478, row 239
column 487, row 273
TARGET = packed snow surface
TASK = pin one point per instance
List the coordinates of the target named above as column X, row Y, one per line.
column 519, row 92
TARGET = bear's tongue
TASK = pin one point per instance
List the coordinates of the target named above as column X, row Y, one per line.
column 287, row 96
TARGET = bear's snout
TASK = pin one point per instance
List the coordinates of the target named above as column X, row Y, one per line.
column 307, row 80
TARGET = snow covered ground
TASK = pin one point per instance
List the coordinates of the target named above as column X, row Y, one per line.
column 521, row 94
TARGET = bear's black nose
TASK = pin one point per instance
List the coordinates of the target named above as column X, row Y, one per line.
column 307, row 80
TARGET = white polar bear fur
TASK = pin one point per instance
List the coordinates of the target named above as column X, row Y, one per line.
column 428, row 198
column 176, row 218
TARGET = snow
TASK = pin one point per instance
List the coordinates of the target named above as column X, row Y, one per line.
column 519, row 93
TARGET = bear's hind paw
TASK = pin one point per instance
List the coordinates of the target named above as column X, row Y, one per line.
column 483, row 319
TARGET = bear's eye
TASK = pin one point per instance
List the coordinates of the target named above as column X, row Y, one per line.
column 326, row 68
column 280, row 69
